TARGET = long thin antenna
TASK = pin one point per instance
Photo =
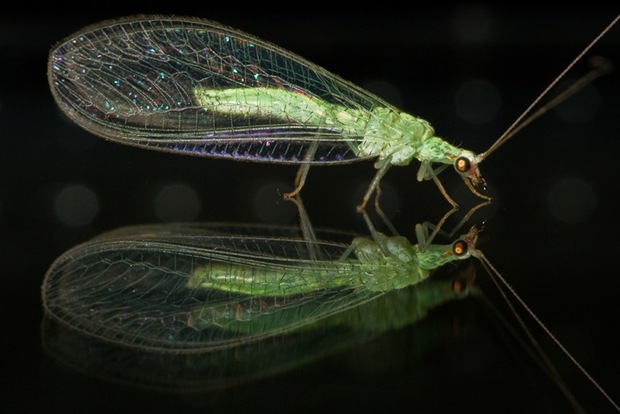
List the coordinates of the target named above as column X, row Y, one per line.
column 495, row 274
column 603, row 68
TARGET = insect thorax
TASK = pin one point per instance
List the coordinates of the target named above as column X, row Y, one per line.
column 388, row 263
column 397, row 138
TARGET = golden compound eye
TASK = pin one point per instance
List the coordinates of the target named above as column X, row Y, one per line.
column 460, row 248
column 462, row 164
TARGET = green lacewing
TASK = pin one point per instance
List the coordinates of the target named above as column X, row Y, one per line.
column 196, row 87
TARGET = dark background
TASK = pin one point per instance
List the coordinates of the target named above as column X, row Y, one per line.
column 552, row 230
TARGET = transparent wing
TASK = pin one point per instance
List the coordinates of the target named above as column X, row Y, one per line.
column 131, row 287
column 197, row 87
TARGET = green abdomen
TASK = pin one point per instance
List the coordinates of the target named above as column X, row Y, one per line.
column 270, row 281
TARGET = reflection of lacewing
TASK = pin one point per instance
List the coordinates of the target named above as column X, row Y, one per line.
column 231, row 366
column 188, row 288
column 196, row 87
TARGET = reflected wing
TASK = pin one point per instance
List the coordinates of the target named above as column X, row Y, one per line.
column 197, row 87
column 133, row 289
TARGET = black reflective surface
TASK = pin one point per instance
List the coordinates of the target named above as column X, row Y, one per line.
column 551, row 231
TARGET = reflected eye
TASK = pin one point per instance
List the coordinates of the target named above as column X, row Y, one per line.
column 462, row 164
column 460, row 248
column 461, row 287
column 457, row 286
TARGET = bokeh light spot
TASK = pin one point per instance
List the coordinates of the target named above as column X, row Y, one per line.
column 477, row 101
column 177, row 202
column 76, row 205
column 571, row 200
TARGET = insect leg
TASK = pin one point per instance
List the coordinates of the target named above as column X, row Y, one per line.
column 380, row 212
column 423, row 237
column 373, row 186
column 302, row 173
column 307, row 229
